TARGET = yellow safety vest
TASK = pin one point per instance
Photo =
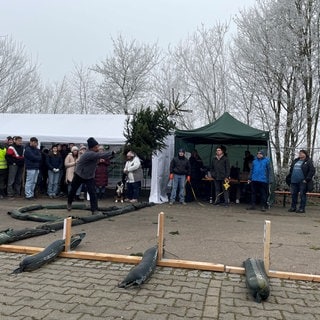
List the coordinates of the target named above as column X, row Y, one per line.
column 3, row 161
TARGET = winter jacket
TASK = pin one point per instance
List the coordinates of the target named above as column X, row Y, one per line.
column 32, row 158
column 101, row 177
column 134, row 170
column 86, row 166
column 3, row 161
column 70, row 165
column 307, row 168
column 180, row 165
column 15, row 156
column 260, row 170
column 220, row 168
column 54, row 161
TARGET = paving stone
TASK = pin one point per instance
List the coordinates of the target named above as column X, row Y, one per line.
column 87, row 290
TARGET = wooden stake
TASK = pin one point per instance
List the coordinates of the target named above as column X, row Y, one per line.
column 266, row 241
column 67, row 233
column 160, row 235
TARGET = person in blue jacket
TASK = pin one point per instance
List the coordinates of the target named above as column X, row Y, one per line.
column 259, row 180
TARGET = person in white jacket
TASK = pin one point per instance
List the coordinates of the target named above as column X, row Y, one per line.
column 134, row 176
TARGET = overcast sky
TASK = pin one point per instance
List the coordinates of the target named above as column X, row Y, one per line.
column 59, row 33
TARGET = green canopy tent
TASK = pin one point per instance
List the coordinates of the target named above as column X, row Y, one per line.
column 236, row 136
column 228, row 131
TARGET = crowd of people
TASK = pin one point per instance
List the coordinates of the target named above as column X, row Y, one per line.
column 26, row 169
column 187, row 174
column 74, row 170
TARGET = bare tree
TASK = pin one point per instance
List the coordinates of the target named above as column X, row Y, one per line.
column 83, row 88
column 18, row 77
column 273, row 56
column 126, row 75
column 201, row 60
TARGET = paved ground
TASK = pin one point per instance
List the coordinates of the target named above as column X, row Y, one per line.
column 80, row 289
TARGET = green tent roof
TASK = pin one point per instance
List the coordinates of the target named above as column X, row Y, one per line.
column 226, row 130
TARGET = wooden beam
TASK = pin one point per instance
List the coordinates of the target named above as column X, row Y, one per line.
column 160, row 235
column 237, row 270
column 184, row 264
column 67, row 233
column 294, row 276
column 266, row 243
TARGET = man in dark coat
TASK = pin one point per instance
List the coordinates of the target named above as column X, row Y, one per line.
column 85, row 173
column 179, row 171
column 301, row 173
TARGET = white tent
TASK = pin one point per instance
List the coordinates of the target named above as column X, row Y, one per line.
column 160, row 173
column 64, row 128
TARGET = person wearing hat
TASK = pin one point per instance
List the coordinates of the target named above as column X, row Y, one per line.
column 300, row 177
column 221, row 175
column 259, row 180
column 180, row 171
column 134, row 176
column 85, row 173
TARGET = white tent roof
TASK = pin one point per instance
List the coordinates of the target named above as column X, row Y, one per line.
column 64, row 128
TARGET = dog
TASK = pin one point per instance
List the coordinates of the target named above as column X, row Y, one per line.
column 119, row 192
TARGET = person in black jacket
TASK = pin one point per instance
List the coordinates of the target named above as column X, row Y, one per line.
column 221, row 175
column 301, row 173
column 179, row 173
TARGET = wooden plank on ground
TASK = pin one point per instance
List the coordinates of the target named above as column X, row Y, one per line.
column 237, row 270
column 186, row 264
column 294, row 276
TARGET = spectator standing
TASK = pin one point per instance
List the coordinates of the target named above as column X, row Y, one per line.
column 85, row 172
column 180, row 171
column 134, row 174
column 196, row 167
column 3, row 170
column 55, row 165
column 9, row 142
column 70, row 163
column 259, row 180
column 101, row 176
column 43, row 171
column 247, row 161
column 33, row 158
column 301, row 173
column 15, row 161
column 221, row 175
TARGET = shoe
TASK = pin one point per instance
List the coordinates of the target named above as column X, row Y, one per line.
column 170, row 203
column 251, row 208
column 126, row 200
column 237, row 201
column 69, row 207
column 29, row 198
column 300, row 211
column 263, row 209
column 133, row 201
column 292, row 210
column 184, row 203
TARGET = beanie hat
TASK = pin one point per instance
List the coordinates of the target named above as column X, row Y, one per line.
column 92, row 142
column 74, row 148
column 262, row 152
column 182, row 150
